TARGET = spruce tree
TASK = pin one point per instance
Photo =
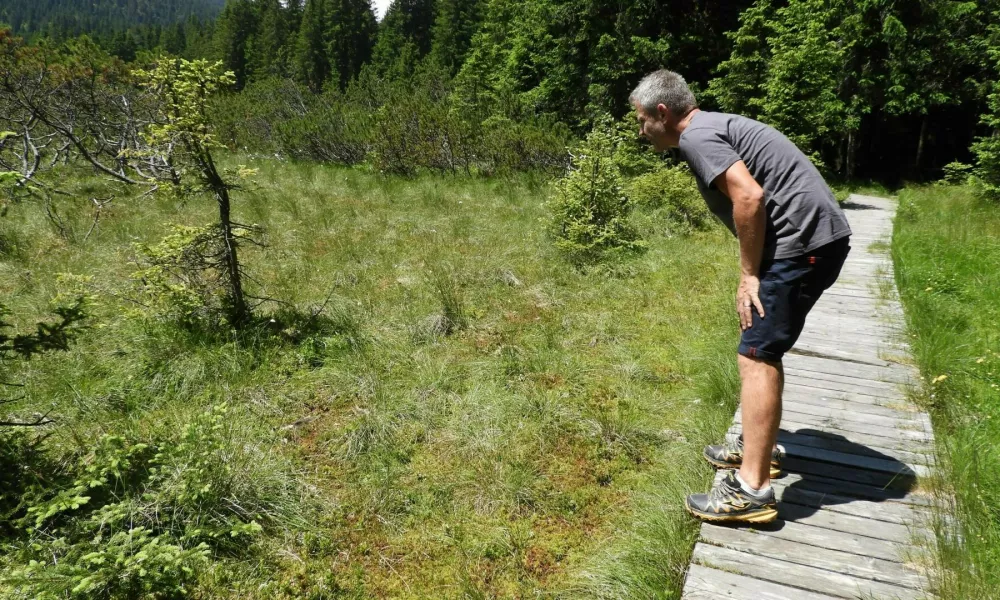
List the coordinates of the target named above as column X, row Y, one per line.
column 235, row 27
column 404, row 37
column 456, row 23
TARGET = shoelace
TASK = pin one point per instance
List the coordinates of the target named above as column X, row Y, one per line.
column 724, row 493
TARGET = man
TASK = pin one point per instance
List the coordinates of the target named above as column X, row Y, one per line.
column 793, row 240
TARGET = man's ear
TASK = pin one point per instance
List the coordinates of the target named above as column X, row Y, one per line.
column 664, row 113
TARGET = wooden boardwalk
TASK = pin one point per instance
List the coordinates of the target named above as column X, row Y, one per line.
column 851, row 510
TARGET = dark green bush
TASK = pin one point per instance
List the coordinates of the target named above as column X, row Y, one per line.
column 589, row 213
column 672, row 195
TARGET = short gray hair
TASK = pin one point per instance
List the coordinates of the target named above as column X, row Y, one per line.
column 664, row 87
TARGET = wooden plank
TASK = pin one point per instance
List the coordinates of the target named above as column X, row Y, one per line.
column 858, row 526
column 786, row 438
column 855, row 565
column 855, row 378
column 818, row 410
column 898, row 484
column 828, row 423
column 811, row 578
column 915, row 497
column 826, row 431
column 899, row 374
column 891, row 407
column 891, row 512
column 704, row 583
column 885, row 465
column 803, row 387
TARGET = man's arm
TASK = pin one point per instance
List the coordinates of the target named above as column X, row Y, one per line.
column 750, row 217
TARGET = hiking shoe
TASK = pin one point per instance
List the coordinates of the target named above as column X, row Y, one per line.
column 727, row 502
column 730, row 456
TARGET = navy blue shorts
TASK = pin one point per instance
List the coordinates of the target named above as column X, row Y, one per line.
column 789, row 288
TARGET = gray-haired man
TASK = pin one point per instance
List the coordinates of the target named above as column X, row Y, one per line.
column 793, row 239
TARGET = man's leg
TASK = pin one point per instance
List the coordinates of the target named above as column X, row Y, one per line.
column 760, row 399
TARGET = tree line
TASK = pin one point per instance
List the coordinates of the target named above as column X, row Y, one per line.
column 880, row 89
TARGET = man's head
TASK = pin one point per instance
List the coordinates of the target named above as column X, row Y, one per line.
column 662, row 100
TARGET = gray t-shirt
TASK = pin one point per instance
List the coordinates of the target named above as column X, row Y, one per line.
column 802, row 213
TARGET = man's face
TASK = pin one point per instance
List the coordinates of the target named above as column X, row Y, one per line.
column 653, row 127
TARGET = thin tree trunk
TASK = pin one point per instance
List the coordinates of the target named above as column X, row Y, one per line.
column 920, row 144
column 851, row 151
column 239, row 312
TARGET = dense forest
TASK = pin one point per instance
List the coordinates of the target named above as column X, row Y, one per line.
column 884, row 90
column 60, row 19
column 300, row 303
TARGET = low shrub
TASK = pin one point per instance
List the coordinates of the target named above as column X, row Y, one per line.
column 672, row 195
column 141, row 519
column 589, row 213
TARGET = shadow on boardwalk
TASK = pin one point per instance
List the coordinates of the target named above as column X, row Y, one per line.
column 833, row 470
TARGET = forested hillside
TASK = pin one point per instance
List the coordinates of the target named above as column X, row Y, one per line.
column 64, row 18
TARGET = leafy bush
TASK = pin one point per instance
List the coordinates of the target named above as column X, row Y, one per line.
column 671, row 193
column 590, row 209
column 142, row 520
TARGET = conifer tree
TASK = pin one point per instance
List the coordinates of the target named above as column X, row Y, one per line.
column 404, row 37
column 236, row 26
column 335, row 39
column 456, row 22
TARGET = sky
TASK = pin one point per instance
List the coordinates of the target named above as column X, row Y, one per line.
column 380, row 6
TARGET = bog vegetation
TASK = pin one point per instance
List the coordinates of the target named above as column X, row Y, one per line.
column 302, row 304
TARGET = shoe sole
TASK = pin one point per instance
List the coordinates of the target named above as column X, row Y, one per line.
column 763, row 516
column 718, row 464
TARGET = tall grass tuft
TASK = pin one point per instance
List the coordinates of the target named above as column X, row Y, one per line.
column 946, row 249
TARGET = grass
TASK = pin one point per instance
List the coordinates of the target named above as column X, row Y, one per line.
column 474, row 418
column 946, row 248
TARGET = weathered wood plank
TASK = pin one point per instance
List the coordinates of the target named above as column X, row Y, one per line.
column 858, row 526
column 810, row 578
column 786, row 438
column 886, row 465
column 855, row 378
column 864, row 567
column 826, row 431
column 897, row 433
column 818, row 410
column 704, row 583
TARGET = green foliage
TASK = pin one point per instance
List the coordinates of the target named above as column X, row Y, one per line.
column 404, row 37
column 402, row 127
column 589, row 212
column 142, row 519
column 65, row 18
column 818, row 70
column 672, row 195
column 185, row 136
column 957, row 173
column 987, row 148
column 180, row 280
column 335, row 39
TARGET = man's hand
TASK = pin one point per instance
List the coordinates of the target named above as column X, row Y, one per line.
column 747, row 296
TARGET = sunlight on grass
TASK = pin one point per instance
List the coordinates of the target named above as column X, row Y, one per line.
column 946, row 250
column 475, row 417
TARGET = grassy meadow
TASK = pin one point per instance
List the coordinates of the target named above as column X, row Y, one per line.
column 946, row 248
column 441, row 407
